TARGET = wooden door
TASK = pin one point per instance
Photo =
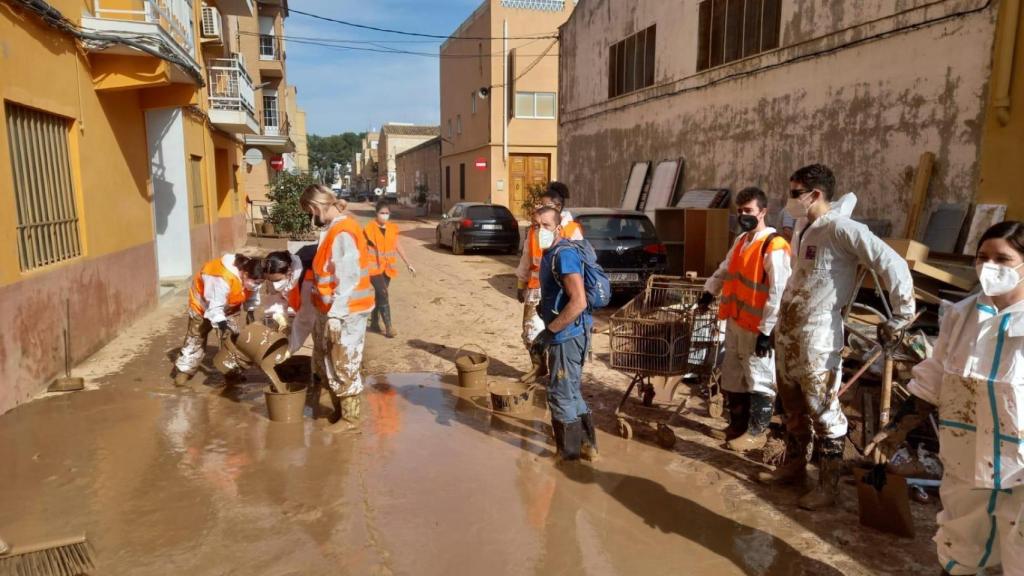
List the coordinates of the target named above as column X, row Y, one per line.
column 526, row 170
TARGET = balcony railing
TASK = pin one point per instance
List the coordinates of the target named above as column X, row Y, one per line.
column 174, row 16
column 230, row 85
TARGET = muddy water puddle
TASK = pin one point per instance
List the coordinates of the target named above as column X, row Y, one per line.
column 171, row 483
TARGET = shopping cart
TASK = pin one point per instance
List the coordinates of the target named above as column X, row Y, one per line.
column 663, row 334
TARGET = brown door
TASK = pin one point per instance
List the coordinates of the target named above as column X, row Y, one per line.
column 526, row 170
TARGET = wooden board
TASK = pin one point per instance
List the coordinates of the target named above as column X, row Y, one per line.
column 960, row 281
column 707, row 239
column 985, row 215
column 635, row 185
column 919, row 192
column 670, row 223
column 908, row 249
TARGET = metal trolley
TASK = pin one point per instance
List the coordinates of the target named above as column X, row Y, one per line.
column 661, row 334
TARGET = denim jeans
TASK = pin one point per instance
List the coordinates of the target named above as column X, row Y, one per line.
column 565, row 365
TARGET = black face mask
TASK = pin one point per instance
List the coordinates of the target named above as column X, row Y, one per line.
column 747, row 222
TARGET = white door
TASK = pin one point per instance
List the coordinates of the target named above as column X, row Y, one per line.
column 165, row 135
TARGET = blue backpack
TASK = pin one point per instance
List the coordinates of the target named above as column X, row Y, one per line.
column 595, row 280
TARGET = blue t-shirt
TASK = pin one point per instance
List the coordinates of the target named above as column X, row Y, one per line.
column 553, row 298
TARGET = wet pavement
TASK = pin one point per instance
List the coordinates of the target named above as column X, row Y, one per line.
column 435, row 483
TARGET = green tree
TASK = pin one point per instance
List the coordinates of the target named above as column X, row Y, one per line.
column 286, row 214
column 326, row 151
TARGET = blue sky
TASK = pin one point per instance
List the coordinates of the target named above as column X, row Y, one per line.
column 344, row 90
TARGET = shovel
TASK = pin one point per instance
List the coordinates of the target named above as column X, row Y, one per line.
column 66, row 383
column 884, row 501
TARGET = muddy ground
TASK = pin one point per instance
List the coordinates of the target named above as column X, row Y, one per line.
column 200, row 482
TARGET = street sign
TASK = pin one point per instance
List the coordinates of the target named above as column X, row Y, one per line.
column 277, row 163
column 481, row 163
column 253, row 156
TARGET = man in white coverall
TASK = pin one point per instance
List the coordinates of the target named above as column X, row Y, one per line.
column 975, row 379
column 750, row 282
column 828, row 249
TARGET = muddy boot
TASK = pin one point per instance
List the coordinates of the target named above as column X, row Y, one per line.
column 761, row 408
column 794, row 469
column 830, row 467
column 589, row 452
column 572, row 441
column 739, row 415
column 181, row 378
column 539, row 370
column 558, row 430
column 350, row 414
column 375, row 320
column 385, row 314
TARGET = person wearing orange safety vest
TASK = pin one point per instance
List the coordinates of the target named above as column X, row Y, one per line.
column 750, row 282
column 218, row 293
column 528, row 273
column 384, row 248
column 343, row 297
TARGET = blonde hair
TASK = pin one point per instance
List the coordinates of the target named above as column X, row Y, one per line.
column 322, row 195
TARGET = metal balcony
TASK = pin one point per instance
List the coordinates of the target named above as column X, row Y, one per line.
column 166, row 25
column 232, row 97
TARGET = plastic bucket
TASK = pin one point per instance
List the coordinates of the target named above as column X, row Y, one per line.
column 286, row 407
column 472, row 367
column 510, row 397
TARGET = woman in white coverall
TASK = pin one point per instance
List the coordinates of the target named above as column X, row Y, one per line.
column 288, row 307
column 975, row 379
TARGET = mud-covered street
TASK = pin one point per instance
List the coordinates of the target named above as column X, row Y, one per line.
column 164, row 481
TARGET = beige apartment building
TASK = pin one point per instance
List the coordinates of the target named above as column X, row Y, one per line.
column 499, row 102
column 744, row 93
column 396, row 138
column 419, row 171
column 298, row 160
column 366, row 163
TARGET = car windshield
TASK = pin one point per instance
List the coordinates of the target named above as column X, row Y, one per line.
column 617, row 227
column 488, row 213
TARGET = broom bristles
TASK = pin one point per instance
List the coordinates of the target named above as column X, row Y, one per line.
column 73, row 559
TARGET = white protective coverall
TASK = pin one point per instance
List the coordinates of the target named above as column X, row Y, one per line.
column 300, row 322
column 346, row 379
column 532, row 324
column 214, row 301
column 742, row 370
column 975, row 377
column 826, row 256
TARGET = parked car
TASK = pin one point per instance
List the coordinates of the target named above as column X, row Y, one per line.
column 626, row 245
column 469, row 225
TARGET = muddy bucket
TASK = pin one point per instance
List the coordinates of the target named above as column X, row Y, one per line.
column 265, row 347
column 472, row 367
column 286, row 407
column 511, row 397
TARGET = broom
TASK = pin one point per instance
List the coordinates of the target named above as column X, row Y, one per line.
column 66, row 557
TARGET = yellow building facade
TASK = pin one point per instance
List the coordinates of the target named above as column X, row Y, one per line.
column 121, row 167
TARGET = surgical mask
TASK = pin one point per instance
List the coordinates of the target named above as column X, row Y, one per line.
column 281, row 285
column 546, row 238
column 747, row 222
column 997, row 279
column 252, row 285
column 796, row 208
column 383, row 217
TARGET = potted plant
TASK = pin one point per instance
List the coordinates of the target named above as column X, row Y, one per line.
column 286, row 215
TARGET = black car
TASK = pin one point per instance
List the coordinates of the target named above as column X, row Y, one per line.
column 469, row 225
column 626, row 244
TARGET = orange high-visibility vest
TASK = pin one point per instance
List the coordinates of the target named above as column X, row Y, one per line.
column 361, row 299
column 745, row 286
column 533, row 244
column 236, row 289
column 383, row 249
column 295, row 294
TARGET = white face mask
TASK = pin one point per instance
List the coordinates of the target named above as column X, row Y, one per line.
column 997, row 279
column 383, row 217
column 546, row 238
column 796, row 208
column 252, row 285
column 280, row 285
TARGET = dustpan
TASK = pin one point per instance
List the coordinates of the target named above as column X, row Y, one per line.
column 884, row 501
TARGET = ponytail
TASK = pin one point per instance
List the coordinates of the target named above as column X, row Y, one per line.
column 253, row 267
column 322, row 195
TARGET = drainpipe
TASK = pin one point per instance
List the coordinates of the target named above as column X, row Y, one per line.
column 1004, row 74
column 506, row 84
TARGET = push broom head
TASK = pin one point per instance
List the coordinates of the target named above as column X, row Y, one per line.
column 68, row 557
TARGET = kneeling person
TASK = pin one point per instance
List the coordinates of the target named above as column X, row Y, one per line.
column 566, row 336
column 750, row 282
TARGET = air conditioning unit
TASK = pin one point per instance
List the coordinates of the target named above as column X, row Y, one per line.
column 211, row 23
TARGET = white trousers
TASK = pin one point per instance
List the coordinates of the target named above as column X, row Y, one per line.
column 979, row 528
column 193, row 349
column 339, row 364
column 810, row 375
column 742, row 369
column 532, row 324
column 302, row 326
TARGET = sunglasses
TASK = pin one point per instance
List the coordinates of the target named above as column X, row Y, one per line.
column 798, row 192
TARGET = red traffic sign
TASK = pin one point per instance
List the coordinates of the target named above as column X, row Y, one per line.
column 481, row 163
column 277, row 163
column 383, row 180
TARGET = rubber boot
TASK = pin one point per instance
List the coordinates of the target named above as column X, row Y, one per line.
column 181, row 378
column 589, row 451
column 349, row 410
column 794, row 469
column 830, row 467
column 385, row 314
column 558, row 429
column 756, row 436
column 539, row 370
column 739, row 415
column 572, row 441
column 375, row 320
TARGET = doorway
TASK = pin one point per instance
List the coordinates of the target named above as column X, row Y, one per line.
column 525, row 170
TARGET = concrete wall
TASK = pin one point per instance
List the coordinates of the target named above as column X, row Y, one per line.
column 391, row 145
column 420, row 166
column 864, row 87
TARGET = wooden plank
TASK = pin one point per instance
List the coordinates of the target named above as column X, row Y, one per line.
column 936, row 273
column 919, row 193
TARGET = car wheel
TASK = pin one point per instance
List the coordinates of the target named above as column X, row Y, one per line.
column 457, row 248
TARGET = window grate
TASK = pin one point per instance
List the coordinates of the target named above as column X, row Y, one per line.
column 631, row 62
column 43, row 189
column 731, row 30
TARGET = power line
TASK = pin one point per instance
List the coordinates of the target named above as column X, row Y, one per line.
column 388, row 50
column 549, row 35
